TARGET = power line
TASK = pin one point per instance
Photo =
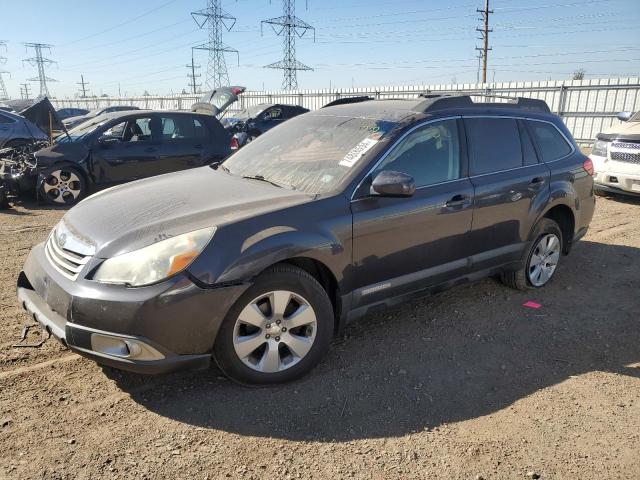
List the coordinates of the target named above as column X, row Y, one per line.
column 126, row 22
column 39, row 61
column 83, row 86
column 218, row 20
column 289, row 27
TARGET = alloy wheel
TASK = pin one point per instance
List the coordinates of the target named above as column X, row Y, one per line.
column 62, row 186
column 544, row 259
column 274, row 331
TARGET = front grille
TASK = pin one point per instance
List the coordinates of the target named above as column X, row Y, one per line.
column 626, row 157
column 68, row 263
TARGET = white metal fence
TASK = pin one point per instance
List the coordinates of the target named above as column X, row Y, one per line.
column 586, row 106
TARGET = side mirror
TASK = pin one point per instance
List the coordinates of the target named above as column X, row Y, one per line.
column 393, row 184
column 625, row 116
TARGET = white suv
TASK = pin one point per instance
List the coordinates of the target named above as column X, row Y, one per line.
column 616, row 157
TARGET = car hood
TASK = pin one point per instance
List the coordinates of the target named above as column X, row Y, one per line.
column 624, row 129
column 132, row 216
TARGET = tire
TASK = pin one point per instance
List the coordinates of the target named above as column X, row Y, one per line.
column 62, row 185
column 252, row 348
column 600, row 192
column 528, row 277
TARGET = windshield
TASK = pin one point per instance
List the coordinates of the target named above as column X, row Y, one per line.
column 81, row 131
column 309, row 153
column 250, row 112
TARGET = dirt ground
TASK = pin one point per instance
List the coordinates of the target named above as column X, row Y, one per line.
column 468, row 384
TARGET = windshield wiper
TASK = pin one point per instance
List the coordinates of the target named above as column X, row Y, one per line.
column 262, row 179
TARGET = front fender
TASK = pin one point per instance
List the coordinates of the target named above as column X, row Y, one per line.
column 222, row 264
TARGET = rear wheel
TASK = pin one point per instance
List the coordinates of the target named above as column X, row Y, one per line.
column 277, row 331
column 542, row 259
column 63, row 185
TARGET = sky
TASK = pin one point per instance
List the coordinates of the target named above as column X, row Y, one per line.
column 129, row 47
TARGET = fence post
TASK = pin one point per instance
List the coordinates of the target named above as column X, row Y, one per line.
column 562, row 99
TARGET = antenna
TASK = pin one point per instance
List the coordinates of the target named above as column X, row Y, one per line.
column 218, row 21
column 289, row 27
column 40, row 62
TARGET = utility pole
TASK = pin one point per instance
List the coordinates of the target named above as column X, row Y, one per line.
column 217, row 20
column 290, row 27
column 40, row 62
column 83, row 86
column 3, row 88
column 484, row 36
column 192, row 76
column 24, row 90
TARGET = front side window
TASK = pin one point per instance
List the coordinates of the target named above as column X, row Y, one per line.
column 494, row 145
column 551, row 143
column 430, row 154
column 311, row 153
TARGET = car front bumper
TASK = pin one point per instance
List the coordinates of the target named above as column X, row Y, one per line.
column 616, row 177
column 156, row 329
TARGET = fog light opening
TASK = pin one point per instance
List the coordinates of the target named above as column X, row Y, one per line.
column 115, row 346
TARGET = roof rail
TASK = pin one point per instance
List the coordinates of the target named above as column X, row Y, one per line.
column 435, row 102
column 345, row 100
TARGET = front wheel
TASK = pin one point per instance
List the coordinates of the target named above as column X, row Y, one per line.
column 542, row 259
column 277, row 331
column 63, row 185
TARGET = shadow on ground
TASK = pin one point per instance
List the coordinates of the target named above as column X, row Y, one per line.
column 459, row 355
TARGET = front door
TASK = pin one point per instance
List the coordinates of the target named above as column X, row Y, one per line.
column 511, row 187
column 402, row 245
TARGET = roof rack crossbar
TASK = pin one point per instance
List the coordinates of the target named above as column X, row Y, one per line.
column 435, row 102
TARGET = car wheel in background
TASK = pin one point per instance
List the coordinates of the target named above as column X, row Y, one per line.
column 542, row 259
column 277, row 331
column 62, row 185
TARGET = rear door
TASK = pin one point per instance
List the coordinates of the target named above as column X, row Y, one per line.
column 511, row 188
column 406, row 244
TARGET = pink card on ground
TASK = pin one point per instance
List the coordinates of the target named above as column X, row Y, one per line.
column 531, row 304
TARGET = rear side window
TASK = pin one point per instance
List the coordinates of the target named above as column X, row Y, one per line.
column 494, row 144
column 200, row 130
column 551, row 143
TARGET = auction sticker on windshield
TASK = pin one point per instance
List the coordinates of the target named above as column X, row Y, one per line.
column 357, row 152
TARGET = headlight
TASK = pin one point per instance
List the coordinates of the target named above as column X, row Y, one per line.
column 600, row 148
column 155, row 262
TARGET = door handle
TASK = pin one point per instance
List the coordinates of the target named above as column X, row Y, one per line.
column 457, row 200
column 537, row 182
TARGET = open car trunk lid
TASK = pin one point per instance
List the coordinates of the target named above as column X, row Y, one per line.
column 42, row 114
column 216, row 101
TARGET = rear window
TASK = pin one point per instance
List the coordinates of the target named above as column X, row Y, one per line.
column 494, row 144
column 551, row 143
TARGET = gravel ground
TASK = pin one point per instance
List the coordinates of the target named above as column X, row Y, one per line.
column 467, row 384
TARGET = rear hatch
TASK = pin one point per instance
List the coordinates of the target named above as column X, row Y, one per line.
column 217, row 101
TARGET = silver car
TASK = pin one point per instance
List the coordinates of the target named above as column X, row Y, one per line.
column 16, row 130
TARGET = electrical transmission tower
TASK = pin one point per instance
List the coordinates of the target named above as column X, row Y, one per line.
column 3, row 89
column 484, row 36
column 83, row 86
column 217, row 20
column 24, row 91
column 40, row 62
column 193, row 86
column 290, row 27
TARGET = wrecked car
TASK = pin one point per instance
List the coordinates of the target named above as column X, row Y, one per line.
column 253, row 121
column 16, row 130
column 71, row 122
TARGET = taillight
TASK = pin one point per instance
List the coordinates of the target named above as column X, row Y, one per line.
column 234, row 143
column 588, row 166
